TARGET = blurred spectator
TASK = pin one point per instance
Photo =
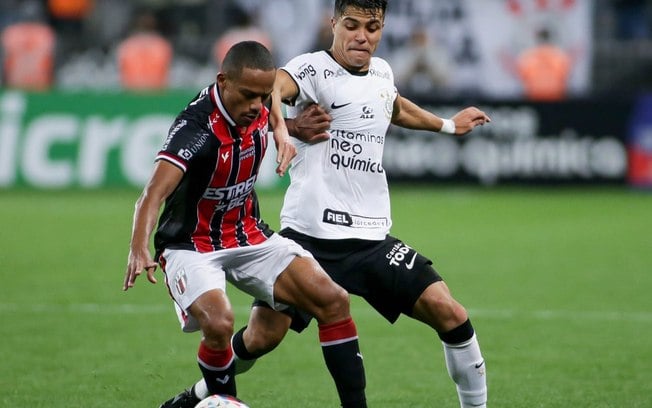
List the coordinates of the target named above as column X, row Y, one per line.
column 144, row 58
column 544, row 69
column 291, row 24
column 15, row 11
column 324, row 38
column 108, row 22
column 28, row 55
column 632, row 19
column 242, row 29
column 67, row 18
column 88, row 32
column 422, row 66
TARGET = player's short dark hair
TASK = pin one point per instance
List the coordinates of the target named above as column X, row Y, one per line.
column 371, row 5
column 247, row 54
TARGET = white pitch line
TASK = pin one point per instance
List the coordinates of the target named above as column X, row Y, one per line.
column 500, row 314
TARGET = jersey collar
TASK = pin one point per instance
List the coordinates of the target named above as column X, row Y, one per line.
column 356, row 73
column 218, row 101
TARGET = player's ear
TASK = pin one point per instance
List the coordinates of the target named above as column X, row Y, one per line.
column 220, row 78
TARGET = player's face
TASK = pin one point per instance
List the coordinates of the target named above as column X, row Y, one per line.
column 244, row 97
column 356, row 34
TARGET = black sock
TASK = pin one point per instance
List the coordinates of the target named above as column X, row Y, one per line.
column 460, row 334
column 239, row 348
column 218, row 369
column 341, row 350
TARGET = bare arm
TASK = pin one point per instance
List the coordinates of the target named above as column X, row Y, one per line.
column 409, row 115
column 284, row 88
column 164, row 180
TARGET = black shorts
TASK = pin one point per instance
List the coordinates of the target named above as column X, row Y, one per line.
column 388, row 274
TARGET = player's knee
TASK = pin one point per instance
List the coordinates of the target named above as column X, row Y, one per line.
column 218, row 329
column 448, row 309
column 440, row 311
column 335, row 305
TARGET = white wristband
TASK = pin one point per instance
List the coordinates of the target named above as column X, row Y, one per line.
column 448, row 126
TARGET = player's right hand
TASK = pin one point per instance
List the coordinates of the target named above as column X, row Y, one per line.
column 137, row 262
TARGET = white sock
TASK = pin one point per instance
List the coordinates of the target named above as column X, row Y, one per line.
column 467, row 369
column 201, row 390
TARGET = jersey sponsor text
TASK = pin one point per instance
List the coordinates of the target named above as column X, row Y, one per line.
column 345, row 219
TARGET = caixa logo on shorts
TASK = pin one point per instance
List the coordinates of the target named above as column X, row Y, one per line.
column 400, row 254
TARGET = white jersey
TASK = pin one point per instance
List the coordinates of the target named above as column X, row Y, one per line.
column 338, row 188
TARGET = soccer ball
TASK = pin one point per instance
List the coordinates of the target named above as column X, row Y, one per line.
column 221, row 401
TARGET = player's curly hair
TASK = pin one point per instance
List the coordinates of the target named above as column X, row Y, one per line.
column 371, row 5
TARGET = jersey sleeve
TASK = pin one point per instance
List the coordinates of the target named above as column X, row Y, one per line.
column 388, row 68
column 304, row 73
column 185, row 141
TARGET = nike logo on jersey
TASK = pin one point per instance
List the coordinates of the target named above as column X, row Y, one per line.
column 480, row 364
column 410, row 264
column 333, row 106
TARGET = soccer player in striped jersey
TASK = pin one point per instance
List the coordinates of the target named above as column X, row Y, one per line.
column 210, row 230
column 338, row 204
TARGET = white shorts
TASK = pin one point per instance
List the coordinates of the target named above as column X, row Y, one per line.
column 253, row 269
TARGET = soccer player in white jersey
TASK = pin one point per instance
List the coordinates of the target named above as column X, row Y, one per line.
column 338, row 206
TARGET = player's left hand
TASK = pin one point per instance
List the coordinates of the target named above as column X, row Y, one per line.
column 312, row 124
column 468, row 118
column 284, row 148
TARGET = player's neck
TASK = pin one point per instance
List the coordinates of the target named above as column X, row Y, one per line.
column 351, row 70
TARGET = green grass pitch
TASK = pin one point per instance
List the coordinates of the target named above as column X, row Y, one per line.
column 557, row 282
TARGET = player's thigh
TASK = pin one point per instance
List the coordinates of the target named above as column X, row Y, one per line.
column 256, row 269
column 305, row 284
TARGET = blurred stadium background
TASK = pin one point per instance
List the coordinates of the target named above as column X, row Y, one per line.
column 89, row 86
column 540, row 221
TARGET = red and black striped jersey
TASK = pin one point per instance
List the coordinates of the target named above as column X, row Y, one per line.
column 215, row 205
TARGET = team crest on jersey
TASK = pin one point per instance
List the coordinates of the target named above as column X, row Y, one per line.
column 388, row 98
column 181, row 283
column 261, row 134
